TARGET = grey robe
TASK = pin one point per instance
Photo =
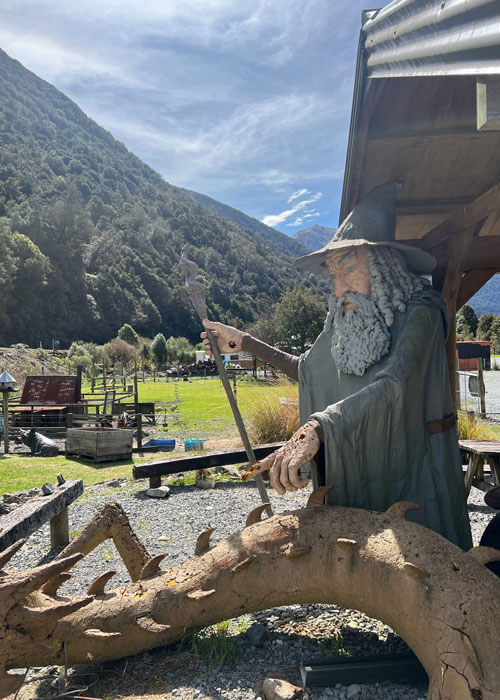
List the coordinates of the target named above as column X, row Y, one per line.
column 377, row 448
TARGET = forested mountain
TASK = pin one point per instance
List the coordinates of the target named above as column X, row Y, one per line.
column 279, row 240
column 488, row 298
column 314, row 237
column 90, row 236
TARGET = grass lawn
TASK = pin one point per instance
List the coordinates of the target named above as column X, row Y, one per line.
column 18, row 473
column 203, row 406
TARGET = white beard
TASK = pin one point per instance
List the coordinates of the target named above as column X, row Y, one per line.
column 360, row 335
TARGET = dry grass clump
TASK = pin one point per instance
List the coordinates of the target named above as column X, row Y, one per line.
column 273, row 416
column 470, row 429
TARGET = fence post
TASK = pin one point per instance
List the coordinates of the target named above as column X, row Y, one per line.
column 138, row 418
column 69, row 420
column 481, row 388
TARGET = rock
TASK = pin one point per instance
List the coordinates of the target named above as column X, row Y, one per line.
column 277, row 689
column 353, row 690
column 11, row 498
column 60, row 479
column 257, row 634
column 160, row 492
column 114, row 483
column 47, row 489
column 205, row 484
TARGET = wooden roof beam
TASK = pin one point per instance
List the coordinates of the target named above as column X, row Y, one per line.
column 484, row 254
column 472, row 281
column 469, row 215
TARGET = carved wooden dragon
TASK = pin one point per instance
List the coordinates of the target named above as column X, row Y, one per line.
column 444, row 602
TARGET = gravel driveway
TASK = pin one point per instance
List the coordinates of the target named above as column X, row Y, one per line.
column 293, row 634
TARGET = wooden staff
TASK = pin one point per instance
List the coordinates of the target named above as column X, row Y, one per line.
column 197, row 294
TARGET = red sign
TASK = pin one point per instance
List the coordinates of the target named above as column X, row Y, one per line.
column 50, row 390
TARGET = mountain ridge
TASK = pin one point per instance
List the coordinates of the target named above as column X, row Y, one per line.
column 90, row 236
column 314, row 237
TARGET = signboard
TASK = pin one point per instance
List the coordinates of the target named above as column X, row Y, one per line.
column 50, row 390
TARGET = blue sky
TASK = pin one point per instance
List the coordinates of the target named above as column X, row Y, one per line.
column 247, row 101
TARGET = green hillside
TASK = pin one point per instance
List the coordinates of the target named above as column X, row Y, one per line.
column 90, row 236
column 278, row 240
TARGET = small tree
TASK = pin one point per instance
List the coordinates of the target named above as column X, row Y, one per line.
column 128, row 334
column 179, row 349
column 467, row 321
column 145, row 355
column 299, row 318
column 120, row 353
column 484, row 326
column 159, row 349
column 495, row 331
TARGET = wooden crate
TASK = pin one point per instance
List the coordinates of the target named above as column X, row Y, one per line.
column 99, row 444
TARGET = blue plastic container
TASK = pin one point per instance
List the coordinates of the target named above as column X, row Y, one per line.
column 163, row 443
column 193, row 445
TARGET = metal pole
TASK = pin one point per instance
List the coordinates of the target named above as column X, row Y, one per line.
column 5, row 422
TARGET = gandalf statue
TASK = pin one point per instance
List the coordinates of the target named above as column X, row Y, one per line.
column 375, row 403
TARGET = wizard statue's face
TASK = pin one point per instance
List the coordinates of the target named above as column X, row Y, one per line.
column 350, row 272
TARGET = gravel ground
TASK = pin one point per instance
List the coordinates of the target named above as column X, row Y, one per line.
column 293, row 633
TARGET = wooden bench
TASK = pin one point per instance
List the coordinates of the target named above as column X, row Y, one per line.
column 28, row 517
column 478, row 453
column 155, row 470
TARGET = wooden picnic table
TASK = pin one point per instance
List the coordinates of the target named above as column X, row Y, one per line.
column 478, row 453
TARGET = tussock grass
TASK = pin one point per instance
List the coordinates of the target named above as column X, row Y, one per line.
column 274, row 416
column 215, row 646
column 471, row 429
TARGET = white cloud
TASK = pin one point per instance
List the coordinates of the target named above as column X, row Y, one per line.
column 222, row 96
column 276, row 219
column 296, row 195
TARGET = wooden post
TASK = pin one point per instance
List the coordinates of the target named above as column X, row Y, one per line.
column 154, row 482
column 446, row 278
column 481, row 388
column 5, row 422
column 458, row 403
column 32, row 416
column 136, row 390
column 234, row 386
column 113, row 378
column 69, row 420
column 59, row 529
column 138, row 418
column 104, row 376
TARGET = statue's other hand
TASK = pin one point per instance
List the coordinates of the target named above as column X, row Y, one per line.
column 286, row 462
column 229, row 339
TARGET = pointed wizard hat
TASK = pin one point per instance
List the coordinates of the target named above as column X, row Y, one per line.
column 372, row 222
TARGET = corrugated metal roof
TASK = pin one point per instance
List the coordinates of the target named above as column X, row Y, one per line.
column 432, row 37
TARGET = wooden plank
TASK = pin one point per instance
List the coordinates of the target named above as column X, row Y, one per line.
column 28, row 517
column 203, row 461
column 488, row 104
column 486, row 447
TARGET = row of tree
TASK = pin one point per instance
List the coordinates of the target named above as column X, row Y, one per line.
column 472, row 327
column 292, row 324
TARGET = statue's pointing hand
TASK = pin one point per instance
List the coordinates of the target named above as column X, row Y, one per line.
column 229, row 339
column 286, row 462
